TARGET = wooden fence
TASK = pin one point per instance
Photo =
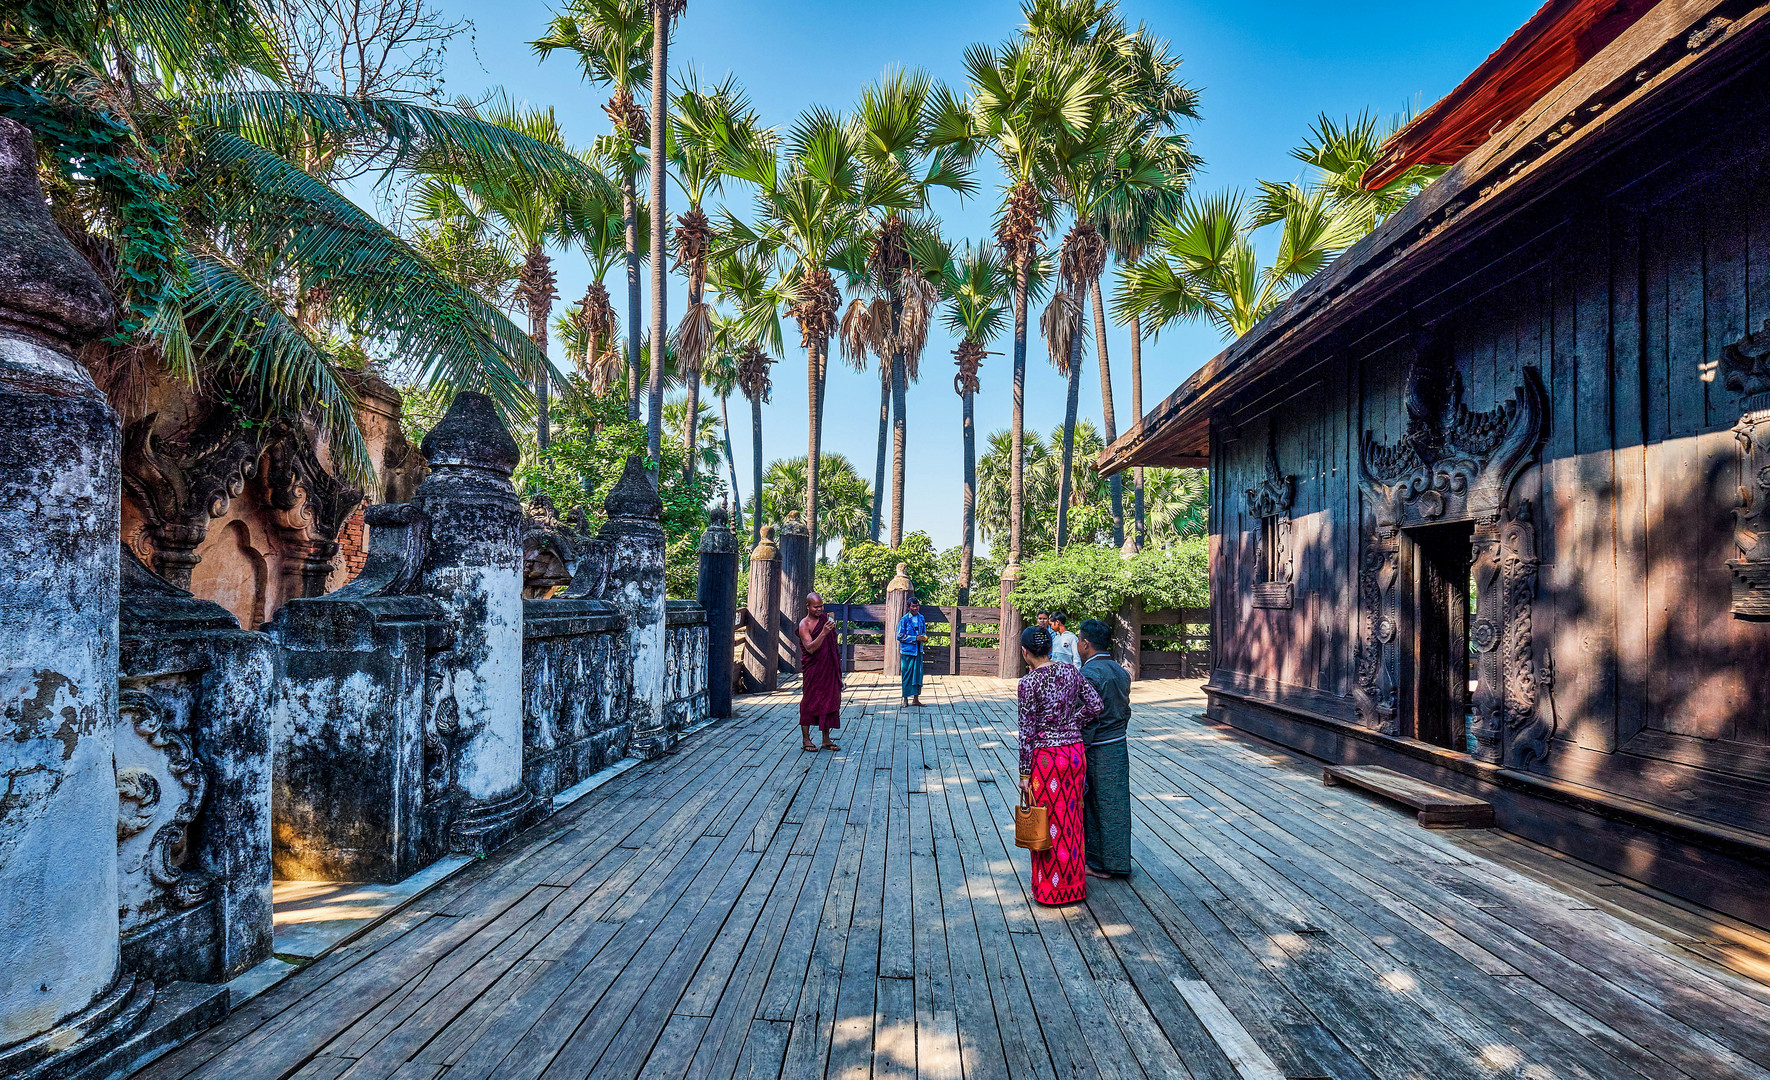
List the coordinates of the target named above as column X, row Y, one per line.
column 1171, row 644
column 861, row 631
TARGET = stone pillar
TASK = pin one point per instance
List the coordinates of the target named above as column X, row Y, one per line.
column 59, row 514
column 897, row 601
column 795, row 547
column 717, row 593
column 473, row 569
column 636, row 586
column 1008, row 665
column 762, row 651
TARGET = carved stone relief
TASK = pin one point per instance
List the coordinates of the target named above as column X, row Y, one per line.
column 1453, row 464
column 311, row 506
column 161, row 788
column 1746, row 364
column 1269, row 504
column 181, row 483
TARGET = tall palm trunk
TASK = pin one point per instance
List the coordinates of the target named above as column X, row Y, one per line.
column 1069, row 429
column 691, row 426
column 815, row 357
column 737, row 497
column 660, row 112
column 756, row 468
column 879, row 467
column 630, row 208
column 538, row 331
column 968, row 538
column 1017, row 441
column 1107, row 417
column 1137, row 409
column 536, row 290
column 899, row 438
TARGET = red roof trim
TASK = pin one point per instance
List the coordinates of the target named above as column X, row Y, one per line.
column 1561, row 36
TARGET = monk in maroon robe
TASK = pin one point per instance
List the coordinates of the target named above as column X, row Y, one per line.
column 821, row 689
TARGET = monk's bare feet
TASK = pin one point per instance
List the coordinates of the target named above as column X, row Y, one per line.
column 916, row 701
column 828, row 745
column 1101, row 874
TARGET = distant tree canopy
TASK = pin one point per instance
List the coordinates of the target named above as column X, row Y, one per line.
column 844, row 498
column 1087, row 581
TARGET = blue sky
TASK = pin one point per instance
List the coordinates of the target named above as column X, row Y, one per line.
column 1264, row 71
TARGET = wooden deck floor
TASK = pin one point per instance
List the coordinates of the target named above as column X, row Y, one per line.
column 741, row 908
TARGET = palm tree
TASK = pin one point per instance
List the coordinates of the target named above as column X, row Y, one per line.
column 600, row 230
column 1340, row 153
column 751, row 334
column 663, row 18
column 843, row 498
column 610, row 38
column 1205, row 266
column 706, row 123
column 915, row 141
column 1019, row 99
column 520, row 216
column 719, row 373
column 975, row 286
column 809, row 214
column 198, row 185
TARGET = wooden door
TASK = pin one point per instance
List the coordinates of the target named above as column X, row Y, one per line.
column 1439, row 555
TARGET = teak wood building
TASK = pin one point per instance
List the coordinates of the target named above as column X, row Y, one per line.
column 1488, row 492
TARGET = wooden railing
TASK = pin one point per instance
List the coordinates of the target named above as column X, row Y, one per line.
column 861, row 631
column 1171, row 644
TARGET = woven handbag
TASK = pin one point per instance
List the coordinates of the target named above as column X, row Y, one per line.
column 1032, row 828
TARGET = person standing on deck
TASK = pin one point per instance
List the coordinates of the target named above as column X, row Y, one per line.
column 1106, row 809
column 1055, row 702
column 1063, row 643
column 912, row 634
column 820, row 700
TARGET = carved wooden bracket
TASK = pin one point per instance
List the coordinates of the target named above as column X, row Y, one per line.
column 1456, row 465
column 1746, row 364
column 1269, row 503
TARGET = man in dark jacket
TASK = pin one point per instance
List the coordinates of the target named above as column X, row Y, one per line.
column 1106, row 808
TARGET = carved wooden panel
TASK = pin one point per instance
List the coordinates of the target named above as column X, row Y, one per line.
column 1747, row 366
column 1269, row 503
column 1453, row 464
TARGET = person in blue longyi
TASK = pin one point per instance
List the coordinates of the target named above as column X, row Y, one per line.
column 912, row 634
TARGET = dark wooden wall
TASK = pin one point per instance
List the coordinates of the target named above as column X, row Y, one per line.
column 1622, row 296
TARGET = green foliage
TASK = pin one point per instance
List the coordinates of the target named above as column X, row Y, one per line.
column 986, row 579
column 1088, row 581
column 866, row 567
column 844, row 498
column 592, row 438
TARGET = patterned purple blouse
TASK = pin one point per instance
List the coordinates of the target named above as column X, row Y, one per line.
column 1055, row 700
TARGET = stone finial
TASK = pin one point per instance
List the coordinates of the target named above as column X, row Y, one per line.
column 718, row 539
column 901, row 582
column 1129, row 548
column 766, row 551
column 634, row 495
column 472, row 433
column 44, row 283
column 794, row 525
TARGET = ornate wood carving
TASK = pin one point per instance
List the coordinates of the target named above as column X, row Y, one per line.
column 1746, row 367
column 311, row 507
column 183, row 482
column 1269, row 503
column 1453, row 464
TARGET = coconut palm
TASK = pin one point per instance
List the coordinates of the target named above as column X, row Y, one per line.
column 1204, row 266
column 975, row 287
column 708, row 123
column 1018, row 99
column 810, row 212
column 522, row 217
column 612, row 41
column 182, row 165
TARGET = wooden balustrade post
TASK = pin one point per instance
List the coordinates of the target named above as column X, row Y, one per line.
column 1127, row 637
column 762, row 636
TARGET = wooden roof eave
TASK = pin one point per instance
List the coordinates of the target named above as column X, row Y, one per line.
column 1619, row 91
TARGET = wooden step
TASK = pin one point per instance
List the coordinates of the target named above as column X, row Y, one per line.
column 1439, row 808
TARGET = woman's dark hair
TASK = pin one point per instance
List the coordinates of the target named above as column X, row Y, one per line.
column 1036, row 640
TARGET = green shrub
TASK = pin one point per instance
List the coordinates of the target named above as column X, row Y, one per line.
column 1088, row 581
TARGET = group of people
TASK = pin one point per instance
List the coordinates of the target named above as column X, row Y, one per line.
column 1075, row 709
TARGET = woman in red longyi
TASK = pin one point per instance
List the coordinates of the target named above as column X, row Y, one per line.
column 1055, row 701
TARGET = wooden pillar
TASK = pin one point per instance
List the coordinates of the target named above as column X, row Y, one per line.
column 955, row 623
column 795, row 549
column 1127, row 637
column 1008, row 664
column 762, row 636
column 716, row 590
column 897, row 601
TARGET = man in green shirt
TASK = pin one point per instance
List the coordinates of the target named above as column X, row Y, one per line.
column 1106, row 808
